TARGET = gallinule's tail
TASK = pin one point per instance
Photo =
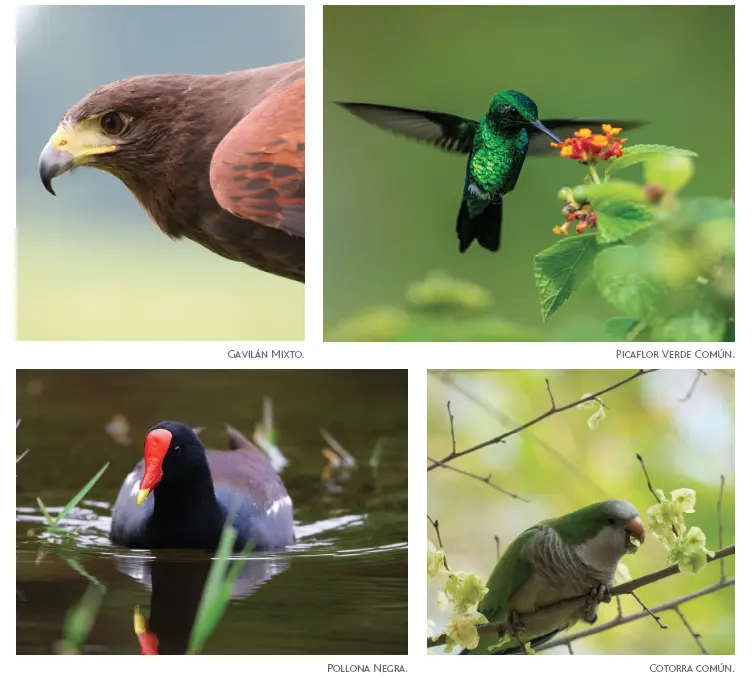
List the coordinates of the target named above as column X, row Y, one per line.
column 180, row 495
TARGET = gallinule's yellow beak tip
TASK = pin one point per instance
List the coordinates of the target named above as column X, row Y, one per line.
column 139, row 622
column 142, row 495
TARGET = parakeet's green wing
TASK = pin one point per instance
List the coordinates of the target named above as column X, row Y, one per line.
column 446, row 131
column 509, row 575
column 540, row 144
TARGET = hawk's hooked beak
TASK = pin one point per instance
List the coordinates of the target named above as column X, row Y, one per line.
column 66, row 149
column 544, row 130
column 53, row 162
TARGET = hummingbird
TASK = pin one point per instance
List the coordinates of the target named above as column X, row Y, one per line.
column 496, row 146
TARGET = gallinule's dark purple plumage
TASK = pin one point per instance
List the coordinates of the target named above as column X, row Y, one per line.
column 193, row 492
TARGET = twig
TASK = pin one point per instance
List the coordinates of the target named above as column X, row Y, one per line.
column 498, row 547
column 650, row 487
column 636, row 616
column 647, row 478
column 690, row 392
column 506, row 421
column 625, row 588
column 539, row 418
column 451, row 426
column 720, row 526
column 691, row 631
column 435, row 525
column 645, row 608
column 550, row 395
column 482, row 479
column 571, row 651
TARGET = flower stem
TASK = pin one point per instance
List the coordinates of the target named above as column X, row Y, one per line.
column 593, row 174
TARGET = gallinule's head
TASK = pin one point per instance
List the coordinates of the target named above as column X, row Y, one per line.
column 173, row 451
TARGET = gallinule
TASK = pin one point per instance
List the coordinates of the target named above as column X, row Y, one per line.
column 180, row 495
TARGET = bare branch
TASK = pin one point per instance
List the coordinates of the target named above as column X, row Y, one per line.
column 550, row 395
column 451, row 426
column 435, row 525
column 539, row 418
column 529, row 620
column 691, row 631
column 650, row 487
column 636, row 616
column 647, row 478
column 645, row 608
column 690, row 392
column 720, row 526
column 507, row 422
column 482, row 479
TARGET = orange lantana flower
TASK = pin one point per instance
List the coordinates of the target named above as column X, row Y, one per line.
column 582, row 214
column 587, row 147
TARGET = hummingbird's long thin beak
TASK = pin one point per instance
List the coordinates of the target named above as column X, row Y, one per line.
column 545, row 130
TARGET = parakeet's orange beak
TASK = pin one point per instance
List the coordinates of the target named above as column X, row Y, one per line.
column 635, row 529
column 155, row 448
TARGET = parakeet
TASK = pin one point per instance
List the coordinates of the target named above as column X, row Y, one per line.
column 570, row 556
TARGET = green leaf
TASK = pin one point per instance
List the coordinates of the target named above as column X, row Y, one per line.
column 703, row 324
column 670, row 171
column 618, row 328
column 561, row 268
column 619, row 218
column 641, row 152
column 217, row 589
column 80, row 494
column 613, row 189
column 623, row 281
column 378, row 451
column 706, row 209
column 730, row 334
column 46, row 514
column 80, row 619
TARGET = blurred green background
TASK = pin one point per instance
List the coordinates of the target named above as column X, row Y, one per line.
column 91, row 264
column 391, row 204
column 560, row 465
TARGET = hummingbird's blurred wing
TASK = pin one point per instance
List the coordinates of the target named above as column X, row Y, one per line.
column 453, row 133
column 540, row 144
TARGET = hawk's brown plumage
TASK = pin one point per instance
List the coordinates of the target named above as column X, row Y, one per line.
column 217, row 159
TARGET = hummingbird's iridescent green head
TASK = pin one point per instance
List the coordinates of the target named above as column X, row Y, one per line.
column 511, row 110
column 514, row 106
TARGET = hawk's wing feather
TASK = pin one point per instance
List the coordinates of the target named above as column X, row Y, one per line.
column 258, row 170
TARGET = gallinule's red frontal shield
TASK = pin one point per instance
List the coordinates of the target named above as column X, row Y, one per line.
column 155, row 449
column 180, row 495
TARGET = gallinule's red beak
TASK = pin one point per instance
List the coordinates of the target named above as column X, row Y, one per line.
column 155, row 448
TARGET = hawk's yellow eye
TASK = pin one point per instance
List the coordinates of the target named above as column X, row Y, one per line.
column 112, row 124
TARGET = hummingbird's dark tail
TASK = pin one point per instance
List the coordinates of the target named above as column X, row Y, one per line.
column 479, row 220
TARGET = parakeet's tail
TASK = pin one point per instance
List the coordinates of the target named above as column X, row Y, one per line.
column 481, row 220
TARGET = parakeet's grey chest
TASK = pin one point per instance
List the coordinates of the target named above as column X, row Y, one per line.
column 562, row 570
column 496, row 159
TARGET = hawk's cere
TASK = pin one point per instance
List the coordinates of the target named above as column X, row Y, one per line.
column 218, row 159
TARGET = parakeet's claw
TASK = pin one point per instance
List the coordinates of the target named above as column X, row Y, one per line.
column 515, row 628
column 598, row 595
column 514, row 624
